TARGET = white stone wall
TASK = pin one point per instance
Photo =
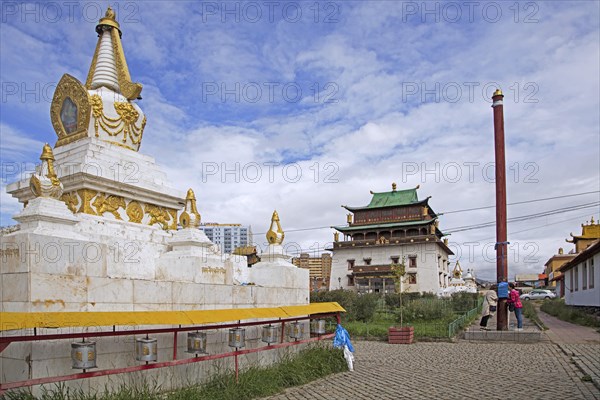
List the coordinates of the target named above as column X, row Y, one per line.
column 106, row 265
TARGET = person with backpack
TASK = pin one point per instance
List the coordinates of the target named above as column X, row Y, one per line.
column 515, row 305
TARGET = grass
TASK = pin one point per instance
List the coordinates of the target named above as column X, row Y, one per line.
column 530, row 312
column 378, row 328
column 560, row 310
column 308, row 365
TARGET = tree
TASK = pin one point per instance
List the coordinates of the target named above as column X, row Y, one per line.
column 399, row 271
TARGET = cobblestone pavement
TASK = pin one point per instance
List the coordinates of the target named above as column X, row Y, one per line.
column 461, row 370
column 580, row 343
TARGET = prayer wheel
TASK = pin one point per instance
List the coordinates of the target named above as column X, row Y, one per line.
column 146, row 349
column 237, row 337
column 83, row 355
column 269, row 334
column 196, row 342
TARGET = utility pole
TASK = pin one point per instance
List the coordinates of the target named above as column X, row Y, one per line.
column 501, row 235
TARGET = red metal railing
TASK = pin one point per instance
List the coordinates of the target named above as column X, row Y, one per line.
column 7, row 340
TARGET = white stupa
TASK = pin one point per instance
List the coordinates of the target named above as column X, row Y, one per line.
column 458, row 283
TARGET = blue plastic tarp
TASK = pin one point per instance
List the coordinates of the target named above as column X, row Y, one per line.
column 342, row 338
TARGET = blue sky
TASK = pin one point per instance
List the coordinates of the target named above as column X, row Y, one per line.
column 354, row 95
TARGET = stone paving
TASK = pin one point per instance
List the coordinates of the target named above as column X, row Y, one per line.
column 565, row 364
column 580, row 343
column 461, row 370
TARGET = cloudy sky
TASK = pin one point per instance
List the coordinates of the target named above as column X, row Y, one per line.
column 304, row 106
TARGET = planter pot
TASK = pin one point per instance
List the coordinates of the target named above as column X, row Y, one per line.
column 403, row 335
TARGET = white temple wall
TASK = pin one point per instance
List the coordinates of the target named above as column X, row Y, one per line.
column 428, row 266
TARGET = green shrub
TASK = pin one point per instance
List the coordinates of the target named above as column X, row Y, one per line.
column 462, row 302
column 560, row 310
column 530, row 313
column 392, row 300
column 365, row 306
column 426, row 310
column 344, row 298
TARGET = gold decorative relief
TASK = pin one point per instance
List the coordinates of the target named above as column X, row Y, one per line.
column 109, row 204
column 70, row 110
column 86, row 196
column 125, row 124
column 71, row 200
column 158, row 215
column 135, row 212
column 173, row 214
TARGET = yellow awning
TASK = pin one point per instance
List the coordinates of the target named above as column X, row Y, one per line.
column 13, row 320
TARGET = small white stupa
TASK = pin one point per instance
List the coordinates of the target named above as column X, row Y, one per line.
column 458, row 283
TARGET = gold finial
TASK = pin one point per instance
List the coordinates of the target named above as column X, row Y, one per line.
column 446, row 241
column 336, row 236
column 498, row 92
column 109, row 19
column 190, row 217
column 190, row 195
column 393, row 186
column 47, row 153
column 110, row 13
column 275, row 234
column 560, row 250
column 592, row 221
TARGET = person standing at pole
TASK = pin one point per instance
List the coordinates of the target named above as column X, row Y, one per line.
column 514, row 304
column 490, row 304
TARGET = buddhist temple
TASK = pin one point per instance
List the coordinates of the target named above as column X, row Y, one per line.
column 395, row 227
column 590, row 232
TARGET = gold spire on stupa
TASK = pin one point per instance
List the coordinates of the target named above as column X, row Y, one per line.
column 190, row 217
column 109, row 67
column 275, row 234
column 46, row 182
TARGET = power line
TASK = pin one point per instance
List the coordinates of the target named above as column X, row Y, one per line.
column 524, row 217
column 462, row 210
column 522, row 202
column 543, row 226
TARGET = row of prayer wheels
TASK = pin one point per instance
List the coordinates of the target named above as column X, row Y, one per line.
column 83, row 354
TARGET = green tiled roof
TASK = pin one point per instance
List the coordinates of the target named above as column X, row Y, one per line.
column 394, row 198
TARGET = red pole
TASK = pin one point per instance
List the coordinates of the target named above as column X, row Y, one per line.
column 236, row 366
column 501, row 235
column 175, row 344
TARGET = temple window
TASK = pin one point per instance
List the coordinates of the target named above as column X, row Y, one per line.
column 412, row 279
column 350, row 264
column 412, row 261
column 395, row 259
column 367, row 261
